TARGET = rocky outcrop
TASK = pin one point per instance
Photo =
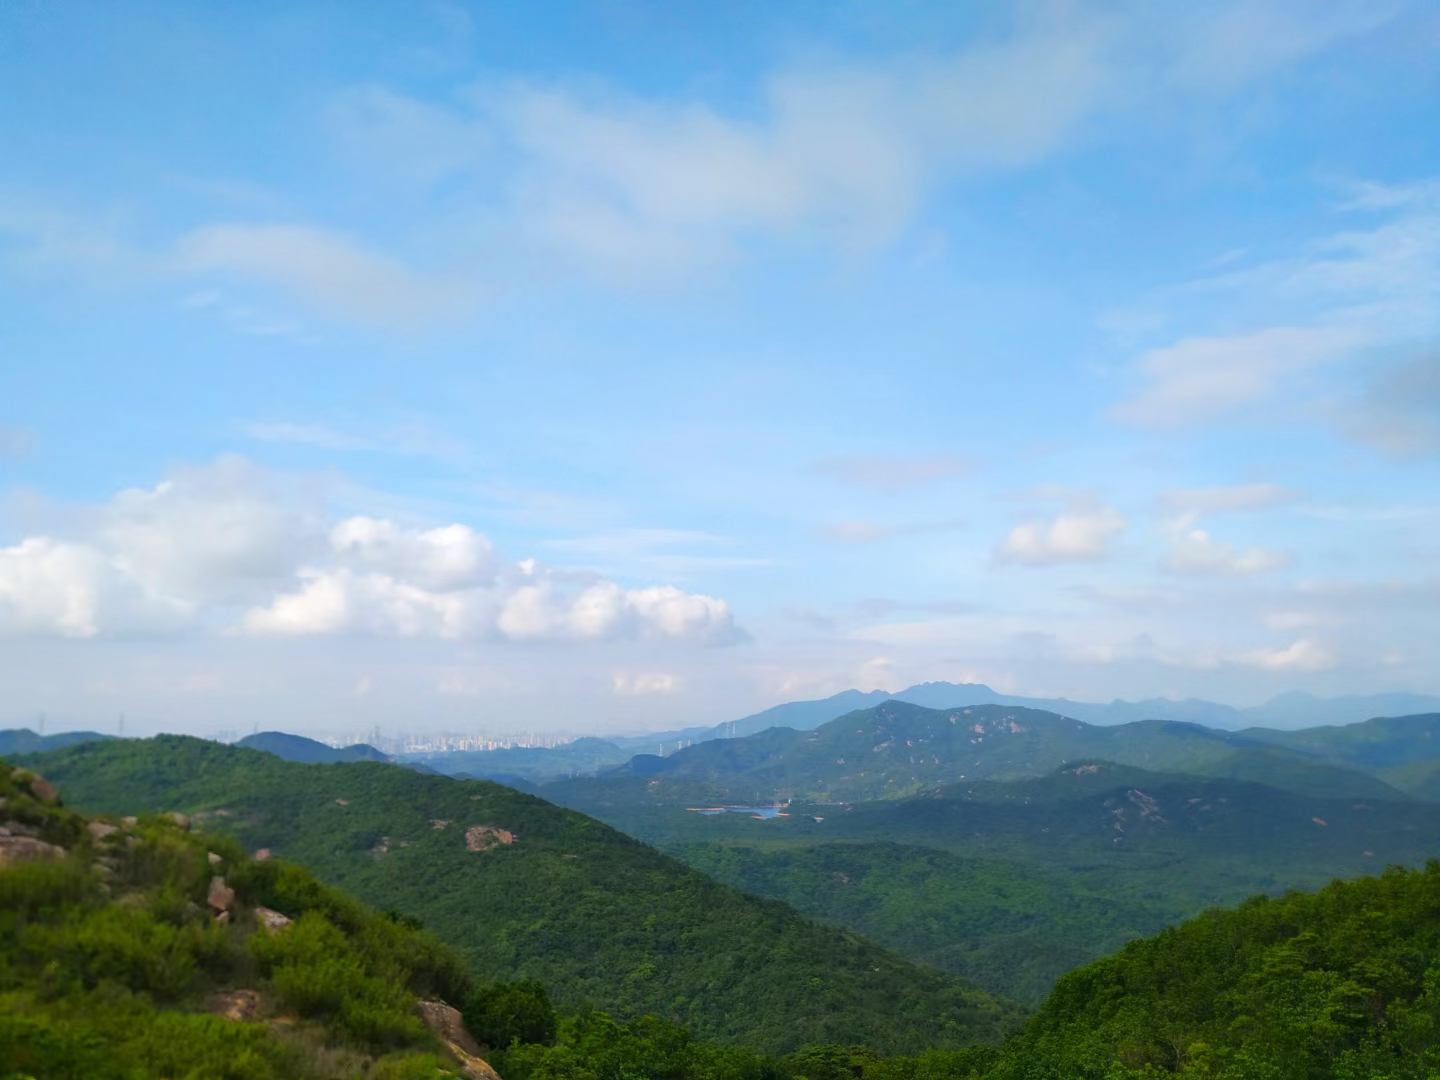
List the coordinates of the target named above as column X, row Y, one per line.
column 485, row 837
column 19, row 848
column 445, row 1021
column 270, row 920
column 220, row 896
column 236, row 1005
column 40, row 789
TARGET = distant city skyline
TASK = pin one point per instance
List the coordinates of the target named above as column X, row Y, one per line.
column 616, row 367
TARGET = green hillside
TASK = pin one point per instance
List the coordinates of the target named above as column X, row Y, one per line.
column 1341, row 983
column 896, row 750
column 1010, row 927
column 527, row 890
column 1010, row 883
column 132, row 950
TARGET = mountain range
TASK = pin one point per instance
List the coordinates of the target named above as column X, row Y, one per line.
column 593, row 755
column 897, row 749
column 526, row 889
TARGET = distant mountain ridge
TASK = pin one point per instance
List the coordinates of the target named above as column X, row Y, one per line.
column 897, row 749
column 1290, row 710
column 1287, row 711
column 308, row 751
column 24, row 741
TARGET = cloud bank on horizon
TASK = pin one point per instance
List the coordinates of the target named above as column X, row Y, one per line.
column 599, row 367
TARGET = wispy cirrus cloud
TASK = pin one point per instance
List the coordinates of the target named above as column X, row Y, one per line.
column 1201, row 379
column 889, row 473
column 1239, row 497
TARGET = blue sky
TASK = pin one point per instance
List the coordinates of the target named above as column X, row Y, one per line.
column 619, row 365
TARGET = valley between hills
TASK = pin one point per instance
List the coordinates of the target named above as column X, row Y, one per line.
column 935, row 892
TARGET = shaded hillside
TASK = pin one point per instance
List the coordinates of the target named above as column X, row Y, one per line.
column 526, row 889
column 308, row 751
column 132, row 950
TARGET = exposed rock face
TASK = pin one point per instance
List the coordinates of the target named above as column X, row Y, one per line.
column 14, row 849
column 177, row 819
column 39, row 787
column 444, row 1020
column 237, row 1005
column 485, row 837
column 213, row 859
column 100, row 830
column 221, row 896
column 270, row 919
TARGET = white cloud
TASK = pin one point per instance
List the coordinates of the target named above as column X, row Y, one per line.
column 49, row 587
column 842, row 152
column 452, row 557
column 1196, row 380
column 448, row 584
column 1194, row 552
column 189, row 552
column 220, row 532
column 325, row 269
column 1222, row 499
column 1079, row 534
column 1304, row 655
column 649, row 682
column 893, row 473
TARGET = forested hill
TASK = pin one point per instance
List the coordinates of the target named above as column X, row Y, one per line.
column 526, row 889
column 895, row 750
column 1341, row 983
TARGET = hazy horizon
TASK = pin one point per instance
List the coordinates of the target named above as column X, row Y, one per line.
column 609, row 367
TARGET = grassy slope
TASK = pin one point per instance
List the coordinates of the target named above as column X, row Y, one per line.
column 594, row 914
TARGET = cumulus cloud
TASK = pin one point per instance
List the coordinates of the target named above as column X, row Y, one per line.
column 893, row 473
column 1194, row 552
column 153, row 559
column 220, row 548
column 449, row 584
column 1079, row 534
column 49, row 587
column 1199, row 379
